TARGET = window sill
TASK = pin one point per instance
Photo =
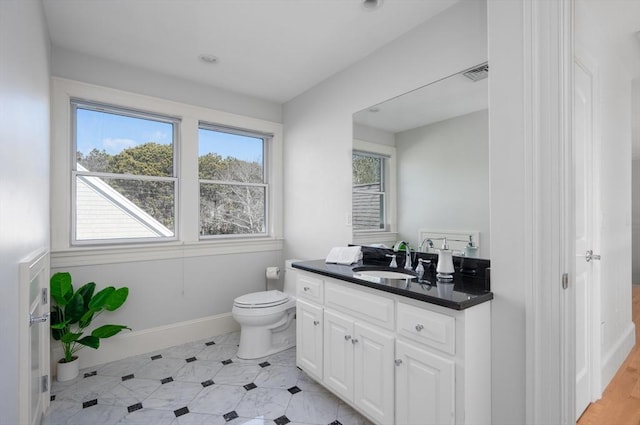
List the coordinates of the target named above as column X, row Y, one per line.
column 89, row 256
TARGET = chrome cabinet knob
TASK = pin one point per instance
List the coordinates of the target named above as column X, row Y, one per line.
column 306, row 289
column 398, row 362
column 419, row 327
column 354, row 341
column 316, row 323
column 347, row 337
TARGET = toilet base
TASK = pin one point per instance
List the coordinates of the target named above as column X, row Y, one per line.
column 257, row 342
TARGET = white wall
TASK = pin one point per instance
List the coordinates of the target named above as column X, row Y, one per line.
column 24, row 170
column 318, row 124
column 635, row 221
column 91, row 69
column 443, row 178
column 635, row 185
column 612, row 154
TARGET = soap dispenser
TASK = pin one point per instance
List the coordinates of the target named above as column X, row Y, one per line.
column 444, row 269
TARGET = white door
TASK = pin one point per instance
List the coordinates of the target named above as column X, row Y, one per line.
column 424, row 387
column 338, row 353
column 583, row 130
column 34, row 338
column 309, row 338
column 373, row 374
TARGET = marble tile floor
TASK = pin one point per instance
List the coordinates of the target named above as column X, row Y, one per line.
column 198, row 383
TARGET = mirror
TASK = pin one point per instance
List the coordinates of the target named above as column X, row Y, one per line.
column 435, row 143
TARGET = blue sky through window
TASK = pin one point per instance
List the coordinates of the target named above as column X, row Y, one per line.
column 114, row 133
column 230, row 145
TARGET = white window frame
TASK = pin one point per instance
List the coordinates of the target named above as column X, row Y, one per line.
column 188, row 243
column 266, row 148
column 117, row 110
column 390, row 229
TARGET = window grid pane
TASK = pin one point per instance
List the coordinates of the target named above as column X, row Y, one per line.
column 111, row 142
column 368, row 196
column 232, row 209
column 233, row 188
column 108, row 208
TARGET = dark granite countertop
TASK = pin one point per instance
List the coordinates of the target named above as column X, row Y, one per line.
column 462, row 293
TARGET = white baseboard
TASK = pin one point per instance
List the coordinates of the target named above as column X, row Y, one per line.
column 133, row 343
column 614, row 358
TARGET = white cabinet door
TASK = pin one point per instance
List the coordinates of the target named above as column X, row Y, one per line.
column 338, row 353
column 373, row 380
column 309, row 338
column 424, row 387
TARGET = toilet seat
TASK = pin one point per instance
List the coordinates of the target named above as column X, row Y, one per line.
column 262, row 299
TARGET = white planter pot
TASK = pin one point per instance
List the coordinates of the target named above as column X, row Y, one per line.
column 68, row 371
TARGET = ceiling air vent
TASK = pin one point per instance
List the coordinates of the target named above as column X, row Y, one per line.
column 478, row 73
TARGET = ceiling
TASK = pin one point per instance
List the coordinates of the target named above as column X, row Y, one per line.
column 269, row 49
column 450, row 97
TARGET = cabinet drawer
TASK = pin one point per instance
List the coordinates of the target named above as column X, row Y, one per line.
column 372, row 308
column 427, row 327
column 310, row 288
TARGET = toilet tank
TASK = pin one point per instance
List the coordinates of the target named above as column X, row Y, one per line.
column 289, row 278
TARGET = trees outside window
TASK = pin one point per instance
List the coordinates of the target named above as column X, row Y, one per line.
column 233, row 183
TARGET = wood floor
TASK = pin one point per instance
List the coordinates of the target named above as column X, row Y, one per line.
column 620, row 403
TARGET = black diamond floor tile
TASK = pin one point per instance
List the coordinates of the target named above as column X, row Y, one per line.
column 294, row 390
column 230, row 416
column 89, row 403
column 336, row 423
column 181, row 411
column 166, row 380
column 156, row 357
column 127, row 377
column 207, row 383
column 88, row 374
column 226, row 362
column 209, row 343
column 264, row 364
column 134, row 407
column 282, row 420
column 250, row 386
column 191, row 359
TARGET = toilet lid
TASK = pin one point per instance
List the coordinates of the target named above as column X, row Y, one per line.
column 261, row 299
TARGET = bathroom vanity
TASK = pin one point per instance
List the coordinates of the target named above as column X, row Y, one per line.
column 400, row 351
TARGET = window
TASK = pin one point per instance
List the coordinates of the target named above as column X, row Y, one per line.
column 369, row 189
column 124, row 175
column 233, row 182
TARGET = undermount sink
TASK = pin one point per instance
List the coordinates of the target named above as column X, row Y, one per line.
column 383, row 273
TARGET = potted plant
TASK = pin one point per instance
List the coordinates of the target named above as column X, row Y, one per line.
column 73, row 313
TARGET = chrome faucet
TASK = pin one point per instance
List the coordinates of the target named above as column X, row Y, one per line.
column 407, row 248
column 427, row 241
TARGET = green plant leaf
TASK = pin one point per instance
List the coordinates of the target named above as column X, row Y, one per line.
column 98, row 301
column 106, row 331
column 90, row 341
column 70, row 337
column 86, row 319
column 87, row 292
column 116, row 299
column 74, row 309
column 61, row 288
column 61, row 325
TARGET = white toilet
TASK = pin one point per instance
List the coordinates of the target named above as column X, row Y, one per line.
column 267, row 319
